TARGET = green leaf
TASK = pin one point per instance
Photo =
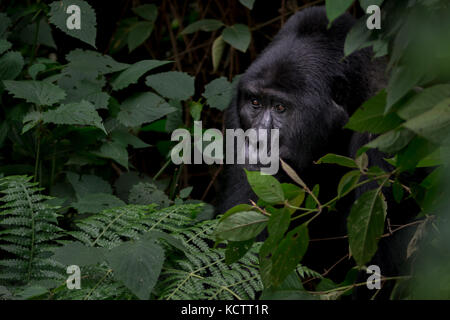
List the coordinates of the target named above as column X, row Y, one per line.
column 143, row 108
column 5, row 45
column 417, row 149
column 348, row 182
column 88, row 184
column 44, row 36
column 433, row 124
column 236, row 250
column 173, row 84
column 365, row 225
column 288, row 254
column 37, row 92
column 217, row 51
column 247, row 3
column 114, row 151
column 392, row 141
column 335, row 8
column 238, row 36
column 370, row 117
column 75, row 253
column 310, row 203
column 337, row 159
column 236, row 209
column 134, row 72
column 88, row 29
column 402, row 80
column 358, row 37
column 241, row 226
column 11, row 63
column 88, row 64
column 397, row 191
column 218, row 93
column 424, row 101
column 294, row 194
column 203, row 25
column 137, row 265
column 125, row 138
column 5, row 22
column 139, row 32
column 30, row 120
column 82, row 113
column 97, row 202
column 147, row 11
column 35, row 69
column 195, row 109
column 184, row 193
column 265, row 186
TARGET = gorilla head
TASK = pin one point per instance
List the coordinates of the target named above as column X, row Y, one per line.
column 302, row 85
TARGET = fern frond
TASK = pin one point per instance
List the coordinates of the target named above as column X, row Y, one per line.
column 30, row 235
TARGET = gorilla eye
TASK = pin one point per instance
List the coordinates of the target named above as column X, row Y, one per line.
column 279, row 108
column 255, row 103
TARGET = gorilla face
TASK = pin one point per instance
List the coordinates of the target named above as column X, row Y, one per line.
column 294, row 97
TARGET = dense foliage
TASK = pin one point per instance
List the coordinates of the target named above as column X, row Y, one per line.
column 85, row 125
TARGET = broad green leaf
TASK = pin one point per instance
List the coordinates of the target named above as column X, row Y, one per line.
column 37, row 92
column 348, row 182
column 143, row 108
column 184, row 193
column 5, row 45
column 358, row 37
column 278, row 223
column 290, row 289
column 147, row 193
column 335, row 8
column 147, row 11
column 139, row 32
column 294, row 195
column 236, row 250
column 134, row 72
column 174, row 119
column 97, row 202
column 433, row 124
column 11, row 63
column 203, row 25
column 126, row 138
column 217, row 51
column 88, row 64
column 424, row 101
column 402, row 80
column 88, row 184
column 236, row 209
column 310, row 202
column 35, row 69
column 392, row 141
column 241, row 226
column 397, row 191
column 82, row 113
column 370, row 117
column 173, row 84
column 30, row 120
column 248, row 3
column 195, row 109
column 137, row 264
column 114, row 151
column 218, row 93
column 44, row 36
column 365, row 225
column 337, row 159
column 238, row 36
column 88, row 26
column 75, row 253
column 266, row 187
column 417, row 149
column 288, row 254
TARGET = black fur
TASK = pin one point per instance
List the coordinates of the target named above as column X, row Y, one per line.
column 320, row 89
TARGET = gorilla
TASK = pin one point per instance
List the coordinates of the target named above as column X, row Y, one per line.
column 303, row 85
